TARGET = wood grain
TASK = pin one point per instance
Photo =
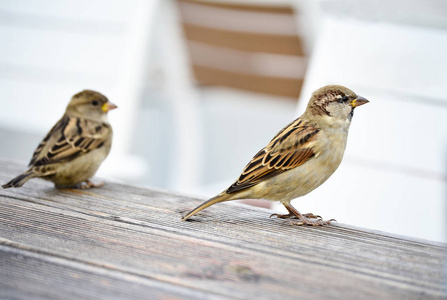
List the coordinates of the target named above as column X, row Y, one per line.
column 245, row 41
column 277, row 9
column 286, row 87
column 121, row 241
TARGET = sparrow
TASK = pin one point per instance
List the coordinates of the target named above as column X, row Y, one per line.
column 75, row 147
column 301, row 157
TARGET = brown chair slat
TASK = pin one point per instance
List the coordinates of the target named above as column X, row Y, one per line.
column 277, row 9
column 285, row 87
column 245, row 41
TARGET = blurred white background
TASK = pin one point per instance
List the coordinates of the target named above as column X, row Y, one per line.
column 175, row 131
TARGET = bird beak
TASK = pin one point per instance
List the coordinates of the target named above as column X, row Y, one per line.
column 108, row 106
column 358, row 101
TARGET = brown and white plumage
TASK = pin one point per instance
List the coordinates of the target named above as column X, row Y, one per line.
column 76, row 146
column 300, row 157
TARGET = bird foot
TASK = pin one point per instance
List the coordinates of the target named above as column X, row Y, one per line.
column 282, row 216
column 90, row 184
column 291, row 215
column 306, row 221
column 312, row 216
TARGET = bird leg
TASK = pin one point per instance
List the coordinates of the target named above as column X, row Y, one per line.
column 304, row 219
column 291, row 214
column 90, row 184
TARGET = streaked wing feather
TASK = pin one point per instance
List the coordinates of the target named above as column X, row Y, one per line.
column 290, row 148
column 77, row 137
column 56, row 128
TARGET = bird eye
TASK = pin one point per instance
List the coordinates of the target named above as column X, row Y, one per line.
column 343, row 99
column 95, row 103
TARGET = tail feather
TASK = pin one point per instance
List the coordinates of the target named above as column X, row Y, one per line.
column 219, row 198
column 19, row 180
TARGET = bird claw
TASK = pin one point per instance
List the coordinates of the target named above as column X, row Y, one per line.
column 306, row 221
column 290, row 215
column 312, row 216
column 90, row 184
column 282, row 216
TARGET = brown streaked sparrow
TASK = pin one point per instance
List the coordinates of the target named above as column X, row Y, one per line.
column 302, row 156
column 75, row 147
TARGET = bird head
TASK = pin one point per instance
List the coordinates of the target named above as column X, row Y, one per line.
column 90, row 105
column 334, row 101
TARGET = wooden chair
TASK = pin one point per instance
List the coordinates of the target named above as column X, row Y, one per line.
column 250, row 47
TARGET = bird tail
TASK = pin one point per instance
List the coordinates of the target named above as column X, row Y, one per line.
column 19, row 180
column 219, row 198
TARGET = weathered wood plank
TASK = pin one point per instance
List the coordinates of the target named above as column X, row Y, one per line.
column 228, row 251
column 26, row 274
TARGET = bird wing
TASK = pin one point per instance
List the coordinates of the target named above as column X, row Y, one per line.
column 290, row 148
column 70, row 138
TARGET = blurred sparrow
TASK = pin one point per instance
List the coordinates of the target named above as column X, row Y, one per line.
column 75, row 147
column 300, row 157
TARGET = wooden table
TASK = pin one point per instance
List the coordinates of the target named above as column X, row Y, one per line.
column 121, row 241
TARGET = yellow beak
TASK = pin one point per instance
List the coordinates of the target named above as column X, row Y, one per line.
column 358, row 101
column 108, row 106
